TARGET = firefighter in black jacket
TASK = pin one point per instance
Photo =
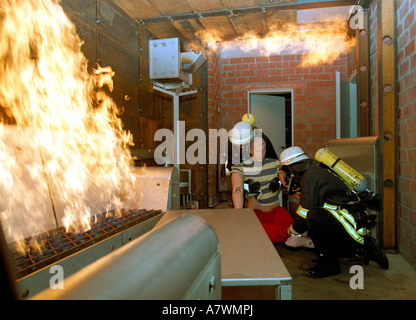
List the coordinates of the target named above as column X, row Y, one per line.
column 327, row 218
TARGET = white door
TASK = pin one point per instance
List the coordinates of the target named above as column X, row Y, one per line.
column 269, row 112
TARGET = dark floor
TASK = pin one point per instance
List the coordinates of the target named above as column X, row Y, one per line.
column 396, row 283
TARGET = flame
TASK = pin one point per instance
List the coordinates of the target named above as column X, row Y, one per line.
column 63, row 152
column 316, row 45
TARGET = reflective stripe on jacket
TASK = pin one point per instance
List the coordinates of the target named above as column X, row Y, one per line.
column 346, row 219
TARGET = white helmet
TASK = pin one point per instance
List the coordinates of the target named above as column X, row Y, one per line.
column 292, row 155
column 241, row 133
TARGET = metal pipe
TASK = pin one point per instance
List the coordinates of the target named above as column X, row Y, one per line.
column 338, row 103
column 176, row 122
column 178, row 260
column 247, row 10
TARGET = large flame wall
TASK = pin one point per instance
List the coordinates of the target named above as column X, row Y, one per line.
column 64, row 149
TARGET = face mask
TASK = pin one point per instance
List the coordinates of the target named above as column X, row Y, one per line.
column 292, row 180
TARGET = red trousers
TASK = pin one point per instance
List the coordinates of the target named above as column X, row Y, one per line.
column 275, row 223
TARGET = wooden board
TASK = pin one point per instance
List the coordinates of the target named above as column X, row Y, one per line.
column 387, row 84
column 248, row 257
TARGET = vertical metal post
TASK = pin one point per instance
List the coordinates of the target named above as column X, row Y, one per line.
column 178, row 130
column 387, row 83
column 284, row 292
column 176, row 151
column 338, row 103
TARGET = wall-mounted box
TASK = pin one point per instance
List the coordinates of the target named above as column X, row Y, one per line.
column 165, row 61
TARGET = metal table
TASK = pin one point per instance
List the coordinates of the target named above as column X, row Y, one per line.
column 248, row 257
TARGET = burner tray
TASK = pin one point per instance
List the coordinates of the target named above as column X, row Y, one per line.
column 57, row 244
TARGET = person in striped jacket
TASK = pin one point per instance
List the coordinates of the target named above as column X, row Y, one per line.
column 256, row 181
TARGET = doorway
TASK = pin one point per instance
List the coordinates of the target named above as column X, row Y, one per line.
column 273, row 110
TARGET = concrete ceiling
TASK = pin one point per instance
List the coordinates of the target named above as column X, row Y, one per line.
column 187, row 19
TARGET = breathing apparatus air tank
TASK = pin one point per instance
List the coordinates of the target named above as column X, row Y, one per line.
column 353, row 178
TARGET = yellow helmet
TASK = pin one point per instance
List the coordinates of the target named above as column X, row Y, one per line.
column 248, row 117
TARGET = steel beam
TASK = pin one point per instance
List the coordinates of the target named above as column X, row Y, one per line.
column 257, row 9
column 387, row 86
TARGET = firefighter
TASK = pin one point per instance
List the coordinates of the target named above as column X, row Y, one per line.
column 327, row 213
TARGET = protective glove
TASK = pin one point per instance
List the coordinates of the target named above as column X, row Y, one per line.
column 274, row 184
column 254, row 187
column 372, row 201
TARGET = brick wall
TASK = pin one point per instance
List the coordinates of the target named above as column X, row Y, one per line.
column 214, row 122
column 406, row 76
column 229, row 80
column 314, row 104
column 406, row 72
column 313, row 99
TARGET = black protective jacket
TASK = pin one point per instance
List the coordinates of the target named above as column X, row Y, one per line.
column 319, row 185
